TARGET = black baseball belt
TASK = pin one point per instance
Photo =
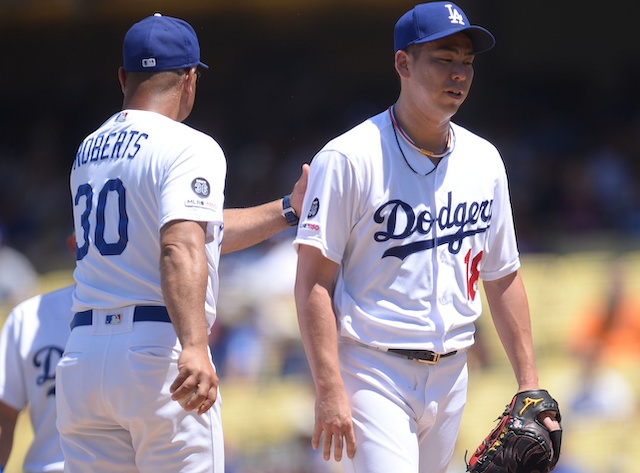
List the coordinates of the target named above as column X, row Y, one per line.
column 141, row 313
column 423, row 356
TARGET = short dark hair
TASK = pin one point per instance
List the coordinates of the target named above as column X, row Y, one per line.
column 414, row 50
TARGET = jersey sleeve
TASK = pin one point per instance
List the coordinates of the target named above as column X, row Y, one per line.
column 501, row 256
column 193, row 185
column 12, row 382
column 329, row 206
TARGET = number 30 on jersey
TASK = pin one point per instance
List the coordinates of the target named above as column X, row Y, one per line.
column 112, row 193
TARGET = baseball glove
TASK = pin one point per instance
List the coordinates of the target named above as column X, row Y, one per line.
column 520, row 443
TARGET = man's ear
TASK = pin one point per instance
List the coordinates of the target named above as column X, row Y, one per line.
column 402, row 60
column 190, row 81
column 122, row 78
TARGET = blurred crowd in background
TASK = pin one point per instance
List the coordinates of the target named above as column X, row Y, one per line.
column 284, row 80
column 570, row 181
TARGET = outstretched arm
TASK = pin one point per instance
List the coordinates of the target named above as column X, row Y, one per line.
column 245, row 227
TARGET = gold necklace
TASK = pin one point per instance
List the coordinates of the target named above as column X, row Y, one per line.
column 448, row 148
column 395, row 133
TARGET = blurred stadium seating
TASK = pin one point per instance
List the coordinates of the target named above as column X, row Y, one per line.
column 267, row 418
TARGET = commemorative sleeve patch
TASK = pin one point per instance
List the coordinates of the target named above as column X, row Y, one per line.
column 313, row 227
column 313, row 210
column 201, row 186
column 203, row 204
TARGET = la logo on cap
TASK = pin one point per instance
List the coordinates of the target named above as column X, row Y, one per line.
column 454, row 15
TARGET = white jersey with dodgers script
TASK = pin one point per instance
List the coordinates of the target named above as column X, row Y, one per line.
column 31, row 343
column 137, row 172
column 411, row 238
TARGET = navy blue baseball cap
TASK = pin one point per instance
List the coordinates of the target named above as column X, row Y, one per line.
column 435, row 20
column 161, row 43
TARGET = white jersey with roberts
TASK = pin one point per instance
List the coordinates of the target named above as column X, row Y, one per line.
column 412, row 238
column 32, row 341
column 137, row 172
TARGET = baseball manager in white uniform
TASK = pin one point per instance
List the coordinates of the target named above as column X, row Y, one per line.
column 147, row 195
column 403, row 215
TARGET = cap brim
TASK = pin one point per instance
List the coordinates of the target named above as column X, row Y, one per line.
column 481, row 39
column 203, row 65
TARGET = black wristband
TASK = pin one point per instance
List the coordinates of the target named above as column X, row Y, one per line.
column 288, row 212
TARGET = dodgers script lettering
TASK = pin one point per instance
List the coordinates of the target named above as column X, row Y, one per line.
column 402, row 221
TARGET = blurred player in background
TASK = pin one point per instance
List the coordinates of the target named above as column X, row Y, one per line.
column 403, row 215
column 605, row 340
column 18, row 277
column 31, row 344
column 137, row 391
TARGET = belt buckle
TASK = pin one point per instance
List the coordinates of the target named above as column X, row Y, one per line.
column 435, row 357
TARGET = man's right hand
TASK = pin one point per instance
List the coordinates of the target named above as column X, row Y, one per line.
column 333, row 419
column 195, row 371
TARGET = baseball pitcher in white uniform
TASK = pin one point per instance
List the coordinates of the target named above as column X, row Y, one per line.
column 403, row 215
column 31, row 344
column 137, row 391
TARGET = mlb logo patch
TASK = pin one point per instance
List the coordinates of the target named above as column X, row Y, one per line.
column 112, row 319
column 149, row 62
